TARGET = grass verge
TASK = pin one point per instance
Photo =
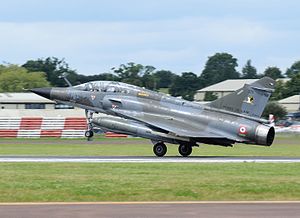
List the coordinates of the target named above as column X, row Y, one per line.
column 284, row 146
column 29, row 182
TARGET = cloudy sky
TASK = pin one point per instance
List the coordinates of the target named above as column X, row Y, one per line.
column 94, row 36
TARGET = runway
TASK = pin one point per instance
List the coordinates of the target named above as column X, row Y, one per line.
column 149, row 159
column 153, row 209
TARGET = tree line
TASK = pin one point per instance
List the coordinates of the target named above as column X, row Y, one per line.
column 219, row 67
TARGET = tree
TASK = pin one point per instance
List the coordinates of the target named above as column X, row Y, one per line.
column 185, row 86
column 292, row 87
column 249, row 72
column 273, row 72
column 130, row 73
column 219, row 67
column 274, row 108
column 210, row 96
column 15, row 79
column 280, row 91
column 103, row 76
column 164, row 78
column 54, row 68
column 293, row 70
column 136, row 74
column 148, row 79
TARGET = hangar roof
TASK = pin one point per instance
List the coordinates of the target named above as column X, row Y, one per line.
column 295, row 99
column 23, row 97
column 229, row 85
column 232, row 85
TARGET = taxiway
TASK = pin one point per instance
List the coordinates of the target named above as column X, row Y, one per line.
column 152, row 209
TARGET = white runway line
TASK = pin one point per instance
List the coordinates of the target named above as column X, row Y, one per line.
column 147, row 160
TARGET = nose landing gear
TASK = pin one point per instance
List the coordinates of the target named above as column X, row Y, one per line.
column 89, row 133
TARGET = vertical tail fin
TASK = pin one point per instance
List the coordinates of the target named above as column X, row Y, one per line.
column 249, row 100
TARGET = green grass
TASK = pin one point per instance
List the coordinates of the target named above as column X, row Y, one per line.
column 28, row 182
column 283, row 146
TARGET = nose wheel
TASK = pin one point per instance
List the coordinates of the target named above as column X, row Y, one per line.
column 89, row 132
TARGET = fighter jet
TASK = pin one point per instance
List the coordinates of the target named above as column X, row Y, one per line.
column 136, row 111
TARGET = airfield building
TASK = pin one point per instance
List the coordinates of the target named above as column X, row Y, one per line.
column 223, row 88
column 226, row 87
column 30, row 104
column 292, row 103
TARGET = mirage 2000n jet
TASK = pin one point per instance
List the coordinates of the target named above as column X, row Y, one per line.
column 136, row 111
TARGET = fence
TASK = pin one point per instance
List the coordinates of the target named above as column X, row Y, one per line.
column 38, row 127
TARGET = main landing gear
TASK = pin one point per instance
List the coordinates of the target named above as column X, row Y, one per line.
column 89, row 132
column 160, row 149
column 185, row 150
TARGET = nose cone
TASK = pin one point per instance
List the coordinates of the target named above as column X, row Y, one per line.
column 45, row 92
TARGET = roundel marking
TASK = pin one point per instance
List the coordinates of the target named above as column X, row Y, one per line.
column 243, row 130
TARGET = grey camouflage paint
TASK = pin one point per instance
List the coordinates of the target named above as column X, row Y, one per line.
column 140, row 112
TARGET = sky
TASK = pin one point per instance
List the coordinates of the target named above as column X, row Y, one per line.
column 95, row 36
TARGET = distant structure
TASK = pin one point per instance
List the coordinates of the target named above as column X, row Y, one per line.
column 292, row 103
column 226, row 87
column 24, row 101
column 27, row 115
column 223, row 88
column 32, row 105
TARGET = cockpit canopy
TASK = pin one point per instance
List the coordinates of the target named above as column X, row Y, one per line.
column 109, row 86
column 119, row 87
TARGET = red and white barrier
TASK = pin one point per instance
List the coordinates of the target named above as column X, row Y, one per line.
column 38, row 127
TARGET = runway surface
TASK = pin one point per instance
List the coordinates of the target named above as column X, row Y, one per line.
column 153, row 209
column 148, row 159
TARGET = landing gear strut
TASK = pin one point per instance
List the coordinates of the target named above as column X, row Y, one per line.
column 185, row 150
column 160, row 149
column 89, row 132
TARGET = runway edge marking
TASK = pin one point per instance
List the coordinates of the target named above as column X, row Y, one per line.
column 141, row 160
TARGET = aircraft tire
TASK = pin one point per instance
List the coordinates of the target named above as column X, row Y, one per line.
column 185, row 150
column 160, row 149
column 89, row 133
